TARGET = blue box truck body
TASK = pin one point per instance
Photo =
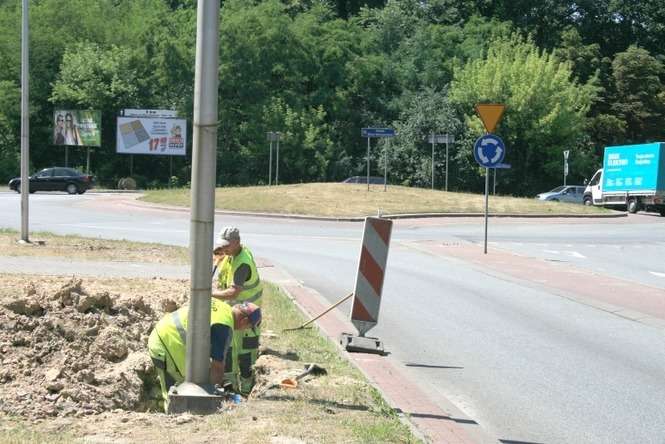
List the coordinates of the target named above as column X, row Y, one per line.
column 632, row 176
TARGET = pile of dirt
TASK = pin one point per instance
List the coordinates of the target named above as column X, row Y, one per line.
column 72, row 352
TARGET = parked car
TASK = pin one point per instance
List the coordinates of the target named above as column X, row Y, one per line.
column 375, row 180
column 568, row 193
column 56, row 179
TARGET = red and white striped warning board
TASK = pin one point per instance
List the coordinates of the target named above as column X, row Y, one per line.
column 371, row 271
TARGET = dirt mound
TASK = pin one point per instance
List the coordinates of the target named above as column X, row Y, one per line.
column 66, row 351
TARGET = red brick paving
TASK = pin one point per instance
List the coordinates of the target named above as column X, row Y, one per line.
column 437, row 425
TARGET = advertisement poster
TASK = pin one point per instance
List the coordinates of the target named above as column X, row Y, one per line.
column 143, row 135
column 632, row 167
column 77, row 128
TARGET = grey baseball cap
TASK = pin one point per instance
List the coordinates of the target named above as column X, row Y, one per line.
column 227, row 235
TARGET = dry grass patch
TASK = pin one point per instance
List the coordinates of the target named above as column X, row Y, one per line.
column 346, row 200
column 84, row 248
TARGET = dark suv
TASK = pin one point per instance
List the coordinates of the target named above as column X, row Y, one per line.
column 56, row 179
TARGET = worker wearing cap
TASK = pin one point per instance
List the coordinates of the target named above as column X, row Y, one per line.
column 167, row 341
column 238, row 281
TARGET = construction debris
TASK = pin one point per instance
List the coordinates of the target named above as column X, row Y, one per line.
column 75, row 353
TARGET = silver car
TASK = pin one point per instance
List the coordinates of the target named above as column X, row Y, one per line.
column 568, row 193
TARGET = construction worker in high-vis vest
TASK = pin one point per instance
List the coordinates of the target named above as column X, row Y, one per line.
column 167, row 341
column 238, row 281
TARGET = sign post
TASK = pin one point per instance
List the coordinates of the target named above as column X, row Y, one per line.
column 272, row 137
column 440, row 138
column 369, row 285
column 566, row 153
column 489, row 150
column 377, row 133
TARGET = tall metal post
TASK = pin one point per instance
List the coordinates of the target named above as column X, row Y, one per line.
column 277, row 161
column 487, row 186
column 494, row 182
column 204, row 164
column 270, row 161
column 433, row 143
column 565, row 168
column 25, row 123
column 368, row 164
column 386, row 150
column 447, row 140
column 87, row 161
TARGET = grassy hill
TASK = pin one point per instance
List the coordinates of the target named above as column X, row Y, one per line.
column 347, row 200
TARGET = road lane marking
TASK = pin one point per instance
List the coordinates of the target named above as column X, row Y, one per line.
column 655, row 273
column 576, row 254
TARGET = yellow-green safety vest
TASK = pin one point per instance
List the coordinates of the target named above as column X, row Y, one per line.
column 252, row 289
column 172, row 330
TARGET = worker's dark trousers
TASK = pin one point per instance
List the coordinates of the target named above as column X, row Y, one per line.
column 245, row 353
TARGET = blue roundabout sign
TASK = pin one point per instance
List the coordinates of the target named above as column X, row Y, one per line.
column 489, row 151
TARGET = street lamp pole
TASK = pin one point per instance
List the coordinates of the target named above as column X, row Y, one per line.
column 25, row 124
column 204, row 164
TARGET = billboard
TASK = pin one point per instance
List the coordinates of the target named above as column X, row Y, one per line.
column 77, row 128
column 145, row 135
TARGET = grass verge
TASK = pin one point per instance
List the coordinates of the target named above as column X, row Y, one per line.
column 85, row 248
column 348, row 200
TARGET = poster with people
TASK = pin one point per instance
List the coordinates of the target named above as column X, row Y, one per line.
column 142, row 135
column 77, row 128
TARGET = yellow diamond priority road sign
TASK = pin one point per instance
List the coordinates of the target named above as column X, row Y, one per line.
column 490, row 114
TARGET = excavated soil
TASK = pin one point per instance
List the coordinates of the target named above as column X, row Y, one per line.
column 69, row 350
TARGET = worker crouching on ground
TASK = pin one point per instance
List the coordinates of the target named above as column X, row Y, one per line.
column 167, row 348
column 238, row 281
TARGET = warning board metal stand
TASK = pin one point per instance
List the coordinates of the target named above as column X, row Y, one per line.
column 369, row 284
column 362, row 344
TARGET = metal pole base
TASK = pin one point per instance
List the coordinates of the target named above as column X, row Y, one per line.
column 361, row 344
column 193, row 398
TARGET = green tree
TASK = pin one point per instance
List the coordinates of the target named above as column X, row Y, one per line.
column 545, row 110
column 640, row 94
column 411, row 158
column 10, row 99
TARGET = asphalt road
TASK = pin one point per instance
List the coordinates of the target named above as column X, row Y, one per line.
column 524, row 362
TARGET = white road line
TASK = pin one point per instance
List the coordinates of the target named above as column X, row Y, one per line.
column 576, row 254
column 552, row 251
column 655, row 273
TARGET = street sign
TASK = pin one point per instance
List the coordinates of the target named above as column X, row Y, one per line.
column 490, row 114
column 377, row 132
column 272, row 136
column 489, row 151
column 441, row 138
column 566, row 153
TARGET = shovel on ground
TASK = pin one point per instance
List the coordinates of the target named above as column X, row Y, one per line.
column 291, row 383
column 311, row 369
